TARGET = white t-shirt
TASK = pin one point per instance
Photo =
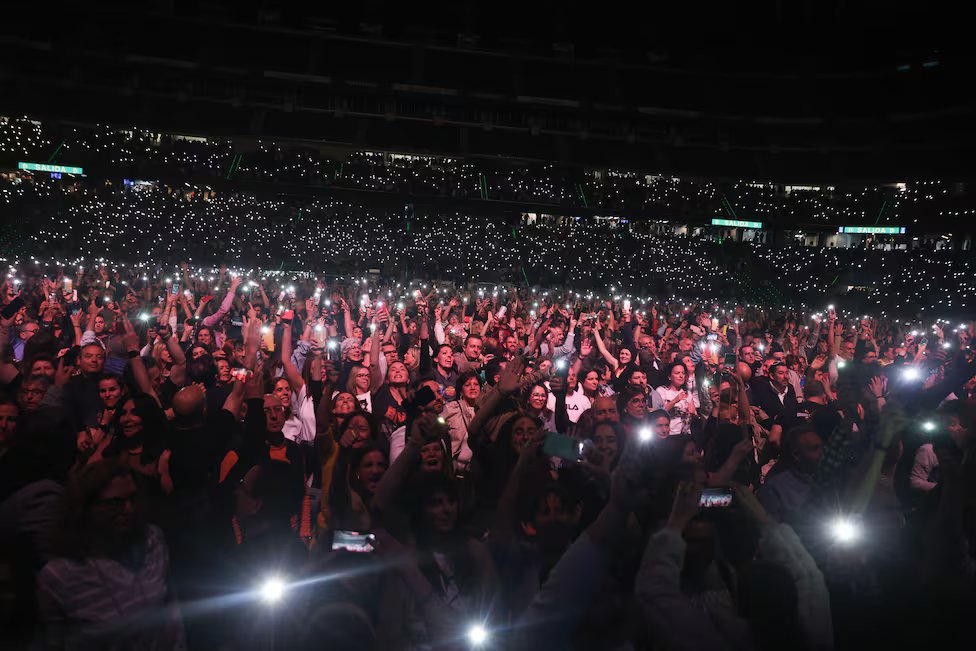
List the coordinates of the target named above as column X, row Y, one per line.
column 398, row 441
column 300, row 426
column 681, row 411
column 576, row 403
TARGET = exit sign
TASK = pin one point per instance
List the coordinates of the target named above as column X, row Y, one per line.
column 45, row 167
column 737, row 223
column 875, row 230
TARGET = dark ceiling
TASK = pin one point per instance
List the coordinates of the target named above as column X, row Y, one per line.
column 783, row 91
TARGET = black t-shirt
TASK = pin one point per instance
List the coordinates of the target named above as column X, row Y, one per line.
column 197, row 451
column 389, row 414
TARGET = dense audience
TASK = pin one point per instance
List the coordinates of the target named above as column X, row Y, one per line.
column 140, row 154
column 77, row 222
column 232, row 458
column 373, row 428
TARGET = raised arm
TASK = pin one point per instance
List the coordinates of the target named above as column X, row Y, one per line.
column 292, row 373
column 509, row 382
column 346, row 316
column 423, row 429
column 131, row 342
column 252, row 341
column 611, row 360
column 225, row 304
column 177, row 372
column 375, row 375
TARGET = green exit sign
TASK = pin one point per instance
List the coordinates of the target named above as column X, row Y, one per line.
column 873, row 230
column 736, row 223
column 45, row 167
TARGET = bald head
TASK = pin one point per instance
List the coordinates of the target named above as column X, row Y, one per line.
column 744, row 371
column 605, row 410
column 189, row 404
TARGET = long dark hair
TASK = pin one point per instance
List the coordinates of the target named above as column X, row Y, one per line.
column 341, row 488
column 153, row 432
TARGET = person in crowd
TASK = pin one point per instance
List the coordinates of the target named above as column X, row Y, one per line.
column 787, row 489
column 774, row 394
column 251, row 442
column 575, row 399
column 459, row 414
column 679, row 402
column 109, row 583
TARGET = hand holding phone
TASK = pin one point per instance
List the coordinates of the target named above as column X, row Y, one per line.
column 353, row 541
column 716, row 497
column 562, row 446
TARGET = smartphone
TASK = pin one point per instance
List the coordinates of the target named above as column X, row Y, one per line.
column 267, row 339
column 562, row 446
column 627, row 304
column 288, row 315
column 69, row 285
column 714, row 324
column 174, row 289
column 729, row 362
column 352, row 541
column 716, row 497
column 241, row 373
column 561, row 367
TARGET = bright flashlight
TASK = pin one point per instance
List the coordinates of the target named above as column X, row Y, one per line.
column 645, row 434
column 272, row 590
column 332, row 344
column 845, row 531
column 143, row 317
column 910, row 373
column 841, row 363
column 561, row 364
column 477, row 635
column 928, row 426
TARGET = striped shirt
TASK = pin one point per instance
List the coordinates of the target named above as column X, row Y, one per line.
column 101, row 603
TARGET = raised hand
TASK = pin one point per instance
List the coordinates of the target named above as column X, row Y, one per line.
column 687, row 500
column 509, row 381
column 129, row 337
column 63, row 374
column 586, row 347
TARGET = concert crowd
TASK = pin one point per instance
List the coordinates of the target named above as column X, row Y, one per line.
column 230, row 458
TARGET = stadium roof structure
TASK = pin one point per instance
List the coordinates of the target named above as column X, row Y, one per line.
column 776, row 90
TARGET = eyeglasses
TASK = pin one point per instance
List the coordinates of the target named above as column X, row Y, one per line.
column 116, row 503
